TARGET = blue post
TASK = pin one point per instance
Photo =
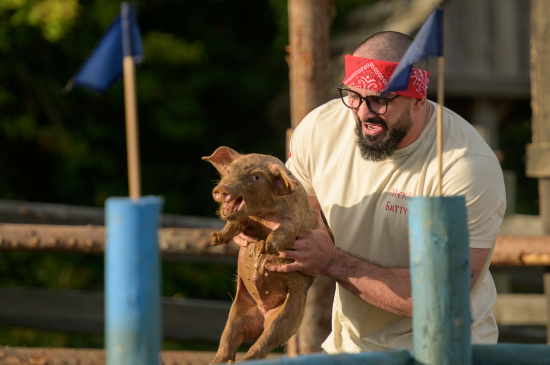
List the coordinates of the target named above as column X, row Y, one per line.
column 440, row 278
column 388, row 357
column 132, row 281
column 511, row 354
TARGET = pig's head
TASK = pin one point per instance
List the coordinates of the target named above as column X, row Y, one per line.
column 250, row 185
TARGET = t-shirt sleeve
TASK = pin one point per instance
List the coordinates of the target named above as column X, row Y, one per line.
column 479, row 179
column 298, row 161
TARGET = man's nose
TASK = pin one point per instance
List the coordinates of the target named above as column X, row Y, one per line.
column 363, row 112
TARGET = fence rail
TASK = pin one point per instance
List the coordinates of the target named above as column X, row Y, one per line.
column 83, row 312
column 194, row 242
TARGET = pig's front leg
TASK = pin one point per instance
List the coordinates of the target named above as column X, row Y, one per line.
column 226, row 234
column 282, row 237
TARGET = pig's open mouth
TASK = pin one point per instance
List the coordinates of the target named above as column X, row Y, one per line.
column 232, row 207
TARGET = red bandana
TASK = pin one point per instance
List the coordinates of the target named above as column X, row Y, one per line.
column 369, row 74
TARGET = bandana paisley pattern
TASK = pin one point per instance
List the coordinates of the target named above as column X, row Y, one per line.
column 366, row 73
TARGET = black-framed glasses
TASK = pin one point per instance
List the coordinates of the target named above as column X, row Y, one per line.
column 376, row 104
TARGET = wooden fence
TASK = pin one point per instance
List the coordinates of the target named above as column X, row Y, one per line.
column 53, row 229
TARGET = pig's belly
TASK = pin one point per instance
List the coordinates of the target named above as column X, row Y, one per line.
column 268, row 289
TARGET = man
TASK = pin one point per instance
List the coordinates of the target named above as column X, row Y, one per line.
column 363, row 188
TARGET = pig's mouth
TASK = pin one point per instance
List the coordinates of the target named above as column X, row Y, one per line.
column 232, row 207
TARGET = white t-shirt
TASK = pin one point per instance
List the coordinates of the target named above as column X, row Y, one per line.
column 366, row 206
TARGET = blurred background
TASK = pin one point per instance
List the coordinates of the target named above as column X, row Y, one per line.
column 214, row 74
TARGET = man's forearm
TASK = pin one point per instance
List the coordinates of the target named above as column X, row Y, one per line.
column 387, row 288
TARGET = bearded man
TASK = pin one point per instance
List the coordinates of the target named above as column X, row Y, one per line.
column 360, row 158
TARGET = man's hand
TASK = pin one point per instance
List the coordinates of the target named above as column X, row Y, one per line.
column 243, row 239
column 312, row 252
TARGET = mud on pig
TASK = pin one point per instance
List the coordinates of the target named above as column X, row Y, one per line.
column 259, row 196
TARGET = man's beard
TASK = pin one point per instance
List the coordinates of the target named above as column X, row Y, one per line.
column 373, row 150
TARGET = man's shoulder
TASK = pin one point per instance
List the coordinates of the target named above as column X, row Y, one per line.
column 325, row 121
column 461, row 135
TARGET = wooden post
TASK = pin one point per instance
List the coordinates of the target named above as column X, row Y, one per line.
column 308, row 60
column 308, row 56
column 538, row 153
column 440, row 280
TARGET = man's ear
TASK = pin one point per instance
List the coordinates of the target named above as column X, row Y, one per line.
column 222, row 158
column 284, row 183
column 420, row 102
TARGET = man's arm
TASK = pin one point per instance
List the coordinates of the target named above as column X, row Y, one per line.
column 386, row 287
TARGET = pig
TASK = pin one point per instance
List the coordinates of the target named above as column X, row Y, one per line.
column 258, row 195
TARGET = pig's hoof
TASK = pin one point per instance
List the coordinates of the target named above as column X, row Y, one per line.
column 217, row 239
column 261, row 246
column 264, row 247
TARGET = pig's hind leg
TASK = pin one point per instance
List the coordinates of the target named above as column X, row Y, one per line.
column 280, row 324
column 245, row 323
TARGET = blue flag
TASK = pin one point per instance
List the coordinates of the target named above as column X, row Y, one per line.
column 104, row 65
column 428, row 43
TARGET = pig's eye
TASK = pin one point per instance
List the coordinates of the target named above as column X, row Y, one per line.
column 228, row 171
column 256, row 177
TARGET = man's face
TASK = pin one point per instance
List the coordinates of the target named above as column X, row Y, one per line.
column 379, row 135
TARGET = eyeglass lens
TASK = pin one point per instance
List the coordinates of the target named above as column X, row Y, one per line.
column 353, row 100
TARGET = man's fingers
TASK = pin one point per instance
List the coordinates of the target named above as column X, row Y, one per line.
column 240, row 241
column 284, row 268
column 288, row 254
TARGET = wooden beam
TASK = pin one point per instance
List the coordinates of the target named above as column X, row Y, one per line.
column 521, row 310
column 83, row 312
column 538, row 160
column 540, row 92
column 46, row 213
column 173, row 242
column 186, row 319
column 308, row 60
column 522, row 251
column 546, row 284
column 195, row 243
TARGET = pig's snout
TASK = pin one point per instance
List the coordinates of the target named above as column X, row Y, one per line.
column 221, row 193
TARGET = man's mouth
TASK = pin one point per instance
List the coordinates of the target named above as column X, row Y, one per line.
column 372, row 128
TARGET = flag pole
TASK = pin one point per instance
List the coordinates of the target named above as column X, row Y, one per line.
column 132, row 137
column 440, row 100
column 130, row 102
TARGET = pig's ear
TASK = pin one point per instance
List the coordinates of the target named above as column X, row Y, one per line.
column 222, row 158
column 284, row 183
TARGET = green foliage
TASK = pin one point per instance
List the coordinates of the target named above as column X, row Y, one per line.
column 212, row 70
column 61, row 271
column 22, row 337
column 53, row 17
column 192, row 280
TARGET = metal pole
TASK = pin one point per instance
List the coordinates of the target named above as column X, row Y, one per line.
column 132, row 281
column 388, row 357
column 440, row 278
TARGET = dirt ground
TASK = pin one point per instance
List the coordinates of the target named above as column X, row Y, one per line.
column 58, row 356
